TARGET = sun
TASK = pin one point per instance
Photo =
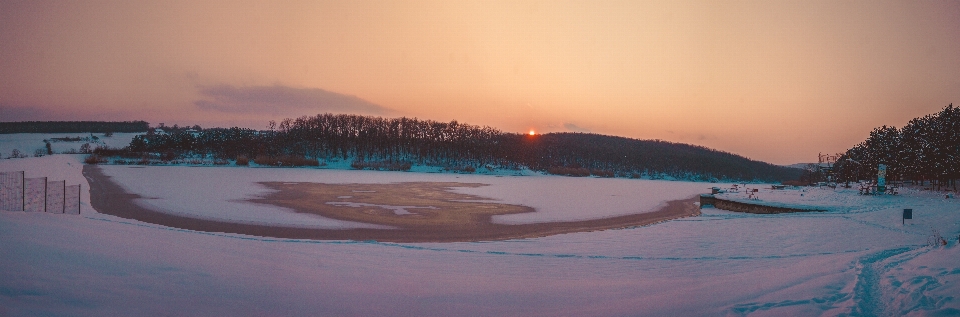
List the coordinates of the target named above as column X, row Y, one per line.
column 533, row 132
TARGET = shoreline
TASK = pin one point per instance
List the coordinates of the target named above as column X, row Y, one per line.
column 110, row 198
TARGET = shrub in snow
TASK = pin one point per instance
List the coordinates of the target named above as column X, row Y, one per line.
column 285, row 160
column 17, row 154
column 168, row 156
column 381, row 165
column 96, row 159
column 243, row 161
column 461, row 169
column 935, row 239
column 569, row 171
column 602, row 173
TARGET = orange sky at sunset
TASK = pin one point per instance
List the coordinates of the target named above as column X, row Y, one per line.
column 771, row 80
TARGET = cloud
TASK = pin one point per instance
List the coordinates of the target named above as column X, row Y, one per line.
column 575, row 128
column 31, row 112
column 281, row 100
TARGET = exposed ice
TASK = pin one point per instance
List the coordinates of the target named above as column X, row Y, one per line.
column 398, row 210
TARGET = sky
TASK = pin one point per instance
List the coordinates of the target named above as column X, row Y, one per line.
column 777, row 81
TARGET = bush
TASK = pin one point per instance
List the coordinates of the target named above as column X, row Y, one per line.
column 569, row 171
column 243, row 161
column 359, row 165
column 16, row 154
column 94, row 159
column 602, row 173
column 168, row 156
column 461, row 169
column 285, row 160
column 936, row 239
column 381, row 165
column 106, row 151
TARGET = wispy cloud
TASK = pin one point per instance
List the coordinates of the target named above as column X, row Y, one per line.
column 279, row 99
column 574, row 128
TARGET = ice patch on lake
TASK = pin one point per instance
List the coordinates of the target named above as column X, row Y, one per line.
column 397, row 210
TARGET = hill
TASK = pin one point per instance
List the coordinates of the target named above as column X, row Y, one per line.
column 398, row 143
column 73, row 126
column 630, row 157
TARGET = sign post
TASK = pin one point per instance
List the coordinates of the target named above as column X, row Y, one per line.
column 907, row 214
column 881, row 179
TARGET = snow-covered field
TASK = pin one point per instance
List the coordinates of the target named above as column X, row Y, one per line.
column 28, row 143
column 856, row 259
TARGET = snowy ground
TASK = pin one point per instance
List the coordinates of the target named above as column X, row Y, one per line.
column 856, row 259
column 27, row 143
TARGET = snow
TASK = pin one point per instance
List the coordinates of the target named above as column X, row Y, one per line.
column 55, row 168
column 855, row 259
column 218, row 193
column 174, row 189
column 27, row 143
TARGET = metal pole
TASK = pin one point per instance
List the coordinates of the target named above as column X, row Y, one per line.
column 63, row 208
column 45, row 194
column 79, row 186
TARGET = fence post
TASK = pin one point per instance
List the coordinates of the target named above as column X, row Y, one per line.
column 45, row 185
column 23, row 190
column 63, row 207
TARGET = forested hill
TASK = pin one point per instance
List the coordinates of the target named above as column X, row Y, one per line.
column 73, row 126
column 624, row 155
column 398, row 143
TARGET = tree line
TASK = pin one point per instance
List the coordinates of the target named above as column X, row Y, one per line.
column 73, row 126
column 375, row 141
column 926, row 149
